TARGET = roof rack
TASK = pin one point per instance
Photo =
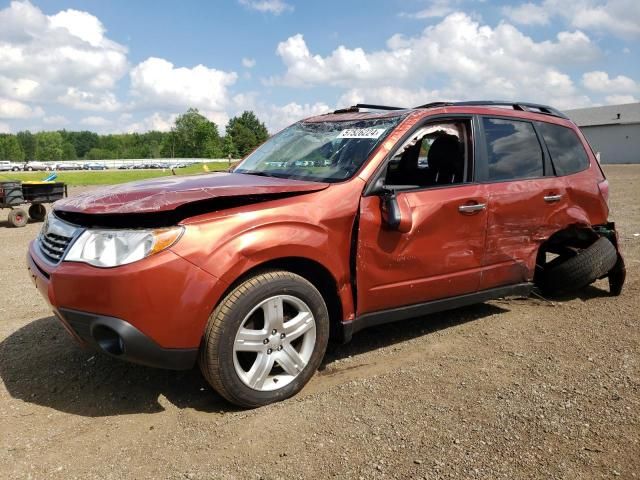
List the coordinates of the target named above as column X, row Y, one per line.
column 522, row 106
column 357, row 107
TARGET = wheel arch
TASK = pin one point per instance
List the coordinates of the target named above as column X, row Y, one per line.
column 577, row 235
column 312, row 271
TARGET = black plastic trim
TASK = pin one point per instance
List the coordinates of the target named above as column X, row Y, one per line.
column 402, row 313
column 136, row 346
column 521, row 106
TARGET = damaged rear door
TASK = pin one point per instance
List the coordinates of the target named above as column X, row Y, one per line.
column 526, row 200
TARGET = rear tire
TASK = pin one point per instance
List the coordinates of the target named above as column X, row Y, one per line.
column 18, row 217
column 572, row 274
column 271, row 330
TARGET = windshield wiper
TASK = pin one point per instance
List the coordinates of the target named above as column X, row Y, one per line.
column 250, row 172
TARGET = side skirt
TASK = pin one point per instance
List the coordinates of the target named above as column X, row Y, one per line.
column 402, row 313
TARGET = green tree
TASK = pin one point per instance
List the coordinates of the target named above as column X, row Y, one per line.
column 10, row 148
column 228, row 147
column 82, row 141
column 69, row 151
column 194, row 136
column 247, row 132
column 99, row 154
column 49, row 146
column 28, row 143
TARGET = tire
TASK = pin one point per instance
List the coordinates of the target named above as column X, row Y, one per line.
column 37, row 212
column 18, row 217
column 571, row 274
column 30, row 169
column 225, row 359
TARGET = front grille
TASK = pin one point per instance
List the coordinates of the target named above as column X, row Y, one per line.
column 55, row 238
column 53, row 246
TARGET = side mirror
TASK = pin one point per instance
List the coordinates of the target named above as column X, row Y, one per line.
column 396, row 212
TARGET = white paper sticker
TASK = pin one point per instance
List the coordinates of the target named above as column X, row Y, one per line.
column 361, row 133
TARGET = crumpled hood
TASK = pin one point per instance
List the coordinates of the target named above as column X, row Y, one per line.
column 168, row 193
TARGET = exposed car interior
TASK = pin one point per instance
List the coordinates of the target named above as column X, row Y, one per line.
column 435, row 155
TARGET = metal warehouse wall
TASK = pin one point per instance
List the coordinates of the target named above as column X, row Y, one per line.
column 616, row 143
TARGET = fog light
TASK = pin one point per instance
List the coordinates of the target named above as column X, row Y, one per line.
column 108, row 340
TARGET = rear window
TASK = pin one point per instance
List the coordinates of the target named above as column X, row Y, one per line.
column 566, row 150
column 513, row 150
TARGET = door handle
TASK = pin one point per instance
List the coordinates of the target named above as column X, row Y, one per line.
column 552, row 198
column 472, row 207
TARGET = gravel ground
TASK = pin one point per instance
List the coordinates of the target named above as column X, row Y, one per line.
column 524, row 388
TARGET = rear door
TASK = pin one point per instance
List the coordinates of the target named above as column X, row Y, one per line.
column 525, row 199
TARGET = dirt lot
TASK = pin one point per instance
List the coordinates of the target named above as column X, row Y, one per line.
column 523, row 388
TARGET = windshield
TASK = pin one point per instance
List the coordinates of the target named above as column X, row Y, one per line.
column 322, row 152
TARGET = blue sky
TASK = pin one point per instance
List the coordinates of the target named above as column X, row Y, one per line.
column 119, row 66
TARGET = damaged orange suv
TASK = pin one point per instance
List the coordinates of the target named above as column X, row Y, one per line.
column 339, row 222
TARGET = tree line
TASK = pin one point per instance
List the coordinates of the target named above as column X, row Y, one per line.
column 192, row 136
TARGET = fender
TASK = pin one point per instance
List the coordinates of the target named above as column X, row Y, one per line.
column 229, row 244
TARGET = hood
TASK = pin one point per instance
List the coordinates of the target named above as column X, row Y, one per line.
column 168, row 193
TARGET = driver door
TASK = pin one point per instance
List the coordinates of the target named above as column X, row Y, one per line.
column 440, row 253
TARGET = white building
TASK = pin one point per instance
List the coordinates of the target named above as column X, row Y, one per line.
column 613, row 130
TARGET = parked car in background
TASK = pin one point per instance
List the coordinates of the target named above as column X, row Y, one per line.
column 331, row 226
column 37, row 166
column 126, row 166
column 5, row 165
column 95, row 166
column 68, row 166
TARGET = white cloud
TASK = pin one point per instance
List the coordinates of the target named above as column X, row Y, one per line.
column 18, row 88
column 248, row 62
column 275, row 7
column 617, row 17
column 56, row 120
column 472, row 60
column 599, row 81
column 156, row 82
column 620, row 99
column 45, row 57
column 527, row 14
column 67, row 47
column 278, row 117
column 96, row 121
column 435, row 9
column 81, row 100
column 162, row 122
column 14, row 109
column 394, row 96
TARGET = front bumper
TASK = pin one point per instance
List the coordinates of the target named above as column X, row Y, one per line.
column 122, row 340
column 151, row 312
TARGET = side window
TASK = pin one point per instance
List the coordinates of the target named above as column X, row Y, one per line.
column 435, row 155
column 513, row 149
column 566, row 150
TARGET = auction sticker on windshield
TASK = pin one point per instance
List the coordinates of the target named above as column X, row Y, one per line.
column 361, row 133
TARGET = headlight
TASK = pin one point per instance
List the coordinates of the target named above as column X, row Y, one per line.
column 111, row 248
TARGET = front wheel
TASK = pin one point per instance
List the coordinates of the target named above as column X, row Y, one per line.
column 265, row 339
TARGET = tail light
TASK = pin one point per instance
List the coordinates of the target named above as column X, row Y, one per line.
column 604, row 190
